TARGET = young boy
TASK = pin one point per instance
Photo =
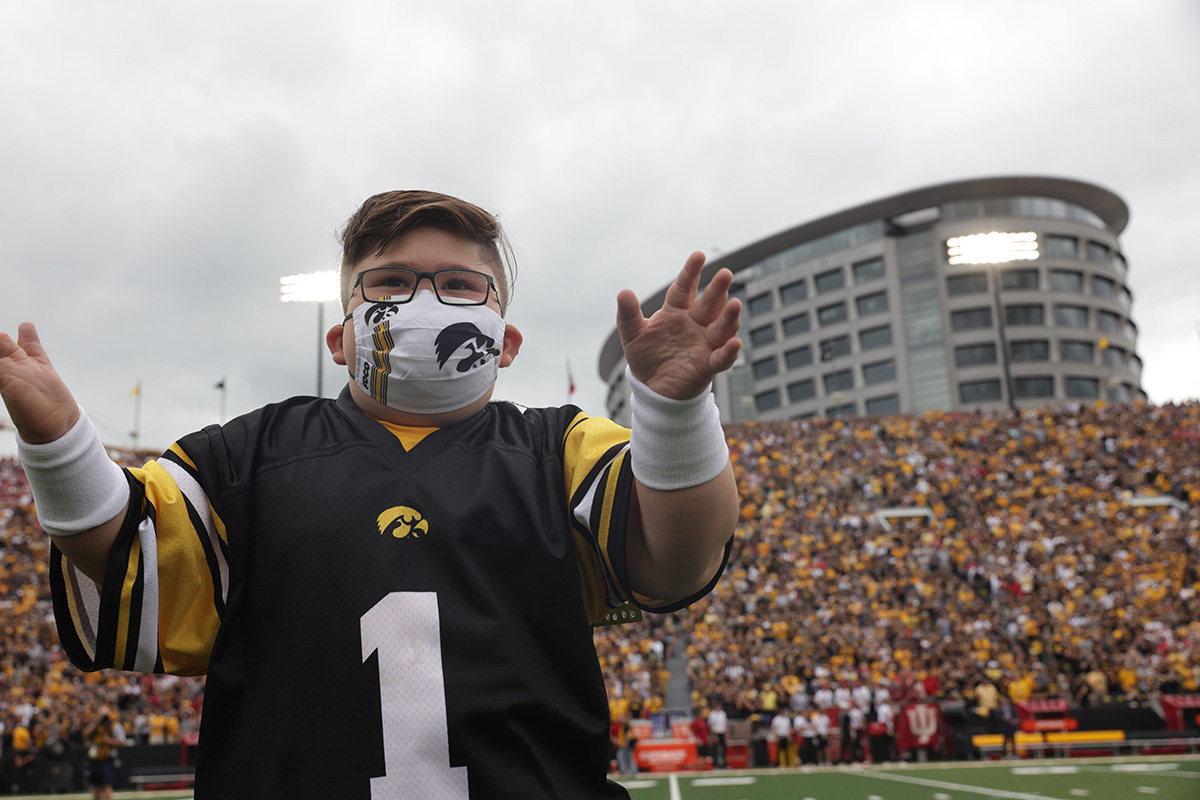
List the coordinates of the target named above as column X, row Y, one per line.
column 392, row 593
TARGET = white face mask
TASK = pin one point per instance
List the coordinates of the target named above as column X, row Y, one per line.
column 425, row 357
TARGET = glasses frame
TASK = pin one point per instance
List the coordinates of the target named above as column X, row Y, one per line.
column 420, row 276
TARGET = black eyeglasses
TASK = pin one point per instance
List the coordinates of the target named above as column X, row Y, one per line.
column 454, row 287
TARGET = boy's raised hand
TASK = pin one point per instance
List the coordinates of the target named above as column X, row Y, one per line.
column 683, row 345
column 39, row 402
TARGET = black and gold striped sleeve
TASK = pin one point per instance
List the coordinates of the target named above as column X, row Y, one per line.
column 166, row 583
column 599, row 486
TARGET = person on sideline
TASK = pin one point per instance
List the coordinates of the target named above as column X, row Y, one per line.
column 103, row 735
column 718, row 723
column 392, row 593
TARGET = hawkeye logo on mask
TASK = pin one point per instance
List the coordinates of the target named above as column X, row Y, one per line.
column 479, row 348
column 425, row 357
column 403, row 522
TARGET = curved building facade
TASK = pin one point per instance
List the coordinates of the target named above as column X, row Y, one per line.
column 988, row 293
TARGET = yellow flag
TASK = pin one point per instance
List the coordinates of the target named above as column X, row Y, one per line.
column 1104, row 343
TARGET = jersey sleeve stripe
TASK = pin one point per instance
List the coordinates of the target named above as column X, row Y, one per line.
column 613, row 510
column 591, row 511
column 211, row 530
column 177, row 452
column 183, row 528
column 582, row 522
column 118, row 601
column 128, row 630
column 146, row 654
column 83, row 605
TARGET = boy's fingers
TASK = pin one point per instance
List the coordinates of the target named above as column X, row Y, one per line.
column 7, row 346
column 729, row 320
column 715, row 301
column 682, row 291
column 629, row 315
column 724, row 357
column 28, row 340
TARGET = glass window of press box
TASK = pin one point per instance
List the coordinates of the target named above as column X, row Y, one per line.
column 796, row 324
column 1071, row 316
column 1060, row 246
column 1020, row 280
column 765, row 368
column 879, row 372
column 1114, row 357
column 868, row 270
column 971, row 318
column 767, row 401
column 838, row 381
column 760, row 304
column 1025, row 315
column 970, row 283
column 846, row 410
column 1035, row 386
column 802, row 390
column 836, row 347
column 799, row 357
column 1097, row 252
column 1066, row 280
column 1072, row 350
column 793, row 292
column 972, row 354
column 762, row 336
column 979, row 391
column 868, row 304
column 832, row 314
column 872, row 338
column 830, row 281
column 1029, row 350
column 879, row 406
column 1103, row 287
column 1083, row 388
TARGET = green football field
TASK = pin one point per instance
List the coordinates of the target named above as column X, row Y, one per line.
column 1175, row 778
column 1162, row 778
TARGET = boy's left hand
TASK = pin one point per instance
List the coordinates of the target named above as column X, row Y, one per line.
column 683, row 345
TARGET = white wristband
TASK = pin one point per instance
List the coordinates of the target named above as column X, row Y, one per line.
column 75, row 485
column 674, row 444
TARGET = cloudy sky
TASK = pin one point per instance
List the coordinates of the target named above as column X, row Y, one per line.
column 162, row 164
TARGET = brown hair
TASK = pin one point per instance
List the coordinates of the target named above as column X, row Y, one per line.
column 383, row 218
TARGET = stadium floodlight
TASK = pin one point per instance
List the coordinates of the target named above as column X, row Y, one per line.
column 309, row 287
column 312, row 287
column 992, row 248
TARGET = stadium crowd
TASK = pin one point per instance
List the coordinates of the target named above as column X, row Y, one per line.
column 1010, row 552
column 44, row 701
column 1033, row 569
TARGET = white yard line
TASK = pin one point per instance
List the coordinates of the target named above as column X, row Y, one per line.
column 1154, row 769
column 734, row 781
column 675, row 795
column 960, row 787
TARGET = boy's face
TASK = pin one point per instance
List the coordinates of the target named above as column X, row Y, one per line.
column 423, row 250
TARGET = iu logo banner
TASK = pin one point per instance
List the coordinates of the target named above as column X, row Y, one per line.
column 921, row 725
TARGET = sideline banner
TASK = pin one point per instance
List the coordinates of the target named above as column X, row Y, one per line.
column 921, row 725
column 665, row 755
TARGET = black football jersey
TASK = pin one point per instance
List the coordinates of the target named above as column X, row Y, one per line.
column 375, row 622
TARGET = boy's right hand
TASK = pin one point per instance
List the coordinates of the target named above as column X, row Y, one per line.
column 39, row 402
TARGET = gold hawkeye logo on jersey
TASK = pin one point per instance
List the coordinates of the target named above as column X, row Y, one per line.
column 403, row 522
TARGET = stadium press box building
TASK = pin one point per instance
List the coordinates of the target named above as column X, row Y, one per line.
column 979, row 294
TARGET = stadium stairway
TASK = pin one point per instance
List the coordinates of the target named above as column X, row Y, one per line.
column 679, row 688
